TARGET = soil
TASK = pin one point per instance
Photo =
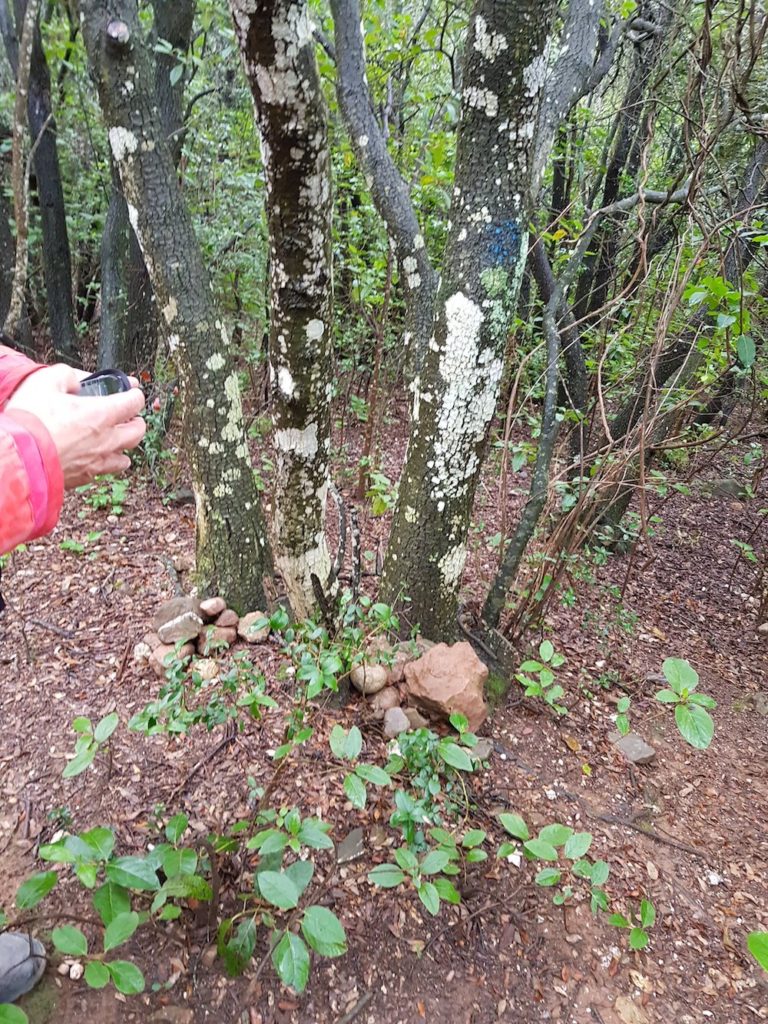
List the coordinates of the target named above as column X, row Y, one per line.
column 686, row 831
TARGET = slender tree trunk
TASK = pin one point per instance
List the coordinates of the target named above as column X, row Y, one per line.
column 457, row 390
column 232, row 551
column 278, row 52
column 6, row 255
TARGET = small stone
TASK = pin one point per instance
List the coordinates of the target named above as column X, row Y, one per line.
column 152, row 640
column 142, row 652
column 76, row 972
column 369, row 679
column 416, row 719
column 763, row 627
column 714, row 879
column 182, row 496
column 178, row 620
column 207, row 669
column 482, row 750
column 351, row 848
column 653, row 871
column 63, row 969
column 634, row 748
column 213, row 606
column 215, row 637
column 384, row 700
column 395, row 722
column 253, row 628
column 158, row 656
column 209, row 956
column 228, row 618
column 727, row 487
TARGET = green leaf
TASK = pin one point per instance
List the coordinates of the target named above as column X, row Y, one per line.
column 83, row 725
column 372, row 773
column 106, row 727
column 746, row 351
column 600, row 872
column 270, row 840
column 619, row 921
column 430, row 897
column 300, row 873
column 58, row 853
column 476, row 856
column 170, row 912
column 176, row 827
column 702, row 700
column 447, row 891
column 323, row 931
column 577, row 845
column 337, row 740
column 133, row 873
column 69, row 940
column 291, row 961
column 101, row 841
column 36, row 888
column 647, row 914
column 454, row 755
column 386, row 876
column 110, row 900
column 96, row 974
column 548, row 876
column 667, row 697
column 540, row 850
column 355, row 790
column 406, row 859
column 79, row 762
column 695, row 725
column 434, row 861
column 12, row 1014
column 598, row 901
column 475, row 837
column 87, row 874
column 459, row 722
column 120, row 929
column 127, row 977
column 278, row 889
column 179, row 862
column 353, row 743
column 515, row 825
column 556, row 835
column 638, row 939
column 680, row 675
column 757, row 944
column 546, row 650
column 314, row 833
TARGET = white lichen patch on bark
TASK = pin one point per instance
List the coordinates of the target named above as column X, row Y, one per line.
column 233, row 428
column 170, row 310
column 535, row 74
column 297, row 572
column 298, row 443
column 285, row 381
column 482, row 99
column 122, row 143
column 451, row 566
column 215, row 362
column 314, row 330
column 487, row 42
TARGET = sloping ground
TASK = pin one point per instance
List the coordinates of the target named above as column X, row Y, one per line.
column 687, row 831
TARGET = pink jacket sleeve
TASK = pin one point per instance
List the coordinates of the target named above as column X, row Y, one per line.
column 31, row 481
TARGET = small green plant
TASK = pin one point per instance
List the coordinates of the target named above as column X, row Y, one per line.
column 89, row 741
column 757, row 944
column 421, row 875
column 637, row 925
column 622, row 717
column 693, row 720
column 382, row 492
column 347, row 747
column 106, row 493
column 538, row 677
column 75, row 547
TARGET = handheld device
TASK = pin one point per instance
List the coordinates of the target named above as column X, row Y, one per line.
column 105, row 382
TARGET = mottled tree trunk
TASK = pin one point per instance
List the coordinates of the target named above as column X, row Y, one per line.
column 278, row 53
column 232, row 552
column 457, row 390
column 131, row 325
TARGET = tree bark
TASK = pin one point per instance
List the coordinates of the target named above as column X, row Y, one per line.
column 279, row 57
column 457, row 390
column 388, row 190
column 232, row 550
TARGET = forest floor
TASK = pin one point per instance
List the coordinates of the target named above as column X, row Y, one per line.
column 687, row 831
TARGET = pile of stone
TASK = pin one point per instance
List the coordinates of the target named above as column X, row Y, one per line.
column 410, row 684
column 199, row 627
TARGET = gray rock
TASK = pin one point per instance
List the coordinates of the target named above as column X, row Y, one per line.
column 250, row 629
column 415, row 717
column 395, row 722
column 369, row 679
column 383, row 700
column 727, row 487
column 213, row 606
column 634, row 748
column 482, row 750
column 351, row 848
column 178, row 620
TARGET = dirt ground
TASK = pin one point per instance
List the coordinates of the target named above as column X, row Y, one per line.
column 687, row 830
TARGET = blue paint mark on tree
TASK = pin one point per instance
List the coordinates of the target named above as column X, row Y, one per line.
column 503, row 242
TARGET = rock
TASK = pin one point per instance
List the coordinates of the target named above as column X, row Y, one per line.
column 178, row 620
column 76, row 972
column 369, row 679
column 633, row 747
column 213, row 606
column 763, row 627
column 250, row 630
column 158, row 656
column 449, row 679
column 351, row 848
column 142, row 651
column 629, row 1012
column 416, row 719
column 423, row 645
column 395, row 722
column 384, row 700
column 228, row 618
column 482, row 750
column 727, row 487
column 152, row 640
column 182, row 496
column 215, row 637
column 207, row 669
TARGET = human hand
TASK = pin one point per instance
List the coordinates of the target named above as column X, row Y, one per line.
column 91, row 434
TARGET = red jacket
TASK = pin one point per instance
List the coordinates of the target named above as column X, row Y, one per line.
column 31, row 481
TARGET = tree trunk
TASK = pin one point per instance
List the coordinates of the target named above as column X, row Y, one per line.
column 232, row 551
column 278, row 52
column 457, row 390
